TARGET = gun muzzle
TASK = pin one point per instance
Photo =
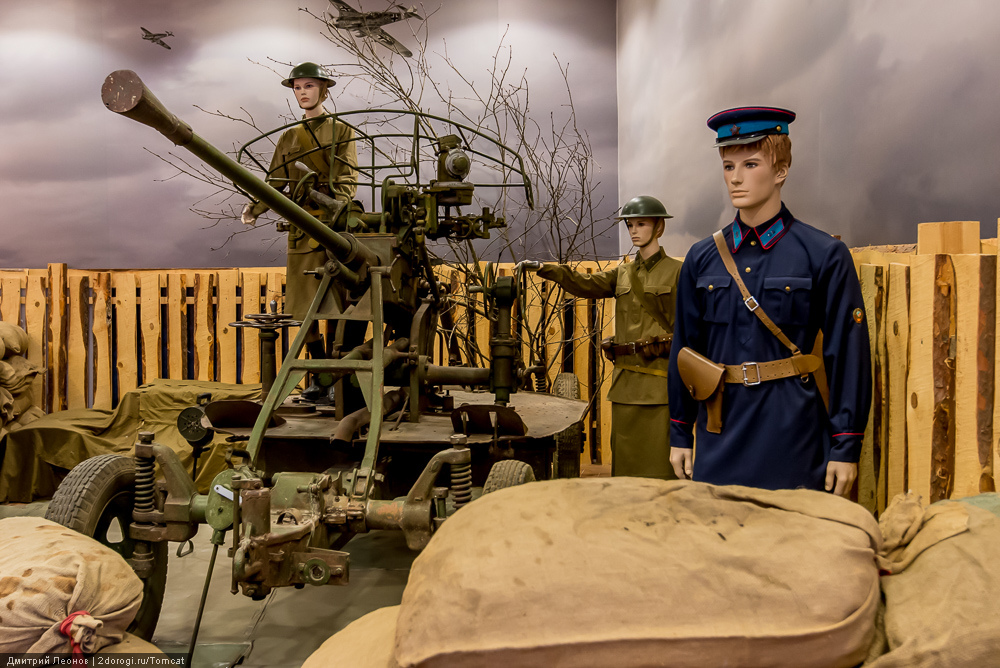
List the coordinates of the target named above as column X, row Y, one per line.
column 124, row 93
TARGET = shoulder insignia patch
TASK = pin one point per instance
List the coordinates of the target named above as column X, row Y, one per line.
column 859, row 315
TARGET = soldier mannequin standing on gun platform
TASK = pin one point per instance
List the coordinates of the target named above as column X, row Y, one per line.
column 644, row 292
column 335, row 178
column 750, row 300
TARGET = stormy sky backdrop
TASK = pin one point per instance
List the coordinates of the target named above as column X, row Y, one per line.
column 77, row 184
column 896, row 99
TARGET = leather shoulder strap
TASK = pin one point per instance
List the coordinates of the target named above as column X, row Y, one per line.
column 748, row 299
column 640, row 294
column 318, row 160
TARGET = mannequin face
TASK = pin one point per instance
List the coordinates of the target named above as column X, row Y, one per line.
column 751, row 179
column 642, row 231
column 308, row 92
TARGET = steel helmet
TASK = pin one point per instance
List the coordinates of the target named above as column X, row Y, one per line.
column 308, row 70
column 644, row 206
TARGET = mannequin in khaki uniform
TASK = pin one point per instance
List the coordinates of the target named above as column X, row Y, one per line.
column 309, row 83
column 640, row 415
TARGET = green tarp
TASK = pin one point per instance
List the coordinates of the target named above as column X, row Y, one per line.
column 37, row 456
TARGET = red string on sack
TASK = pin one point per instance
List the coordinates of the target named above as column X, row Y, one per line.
column 65, row 628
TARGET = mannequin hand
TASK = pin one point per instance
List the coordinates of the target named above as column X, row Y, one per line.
column 840, row 477
column 247, row 217
column 682, row 460
column 528, row 265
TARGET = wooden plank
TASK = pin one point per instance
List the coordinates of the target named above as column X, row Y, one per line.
column 10, row 297
column 127, row 363
column 204, row 326
column 150, row 326
column 250, row 373
column 606, row 313
column 944, row 317
column 871, row 467
column 276, row 293
column 967, row 391
column 177, row 331
column 229, row 280
column 897, row 361
column 582, row 352
column 102, row 361
column 77, row 379
column 985, row 371
column 920, row 377
column 56, row 340
column 35, row 325
column 955, row 237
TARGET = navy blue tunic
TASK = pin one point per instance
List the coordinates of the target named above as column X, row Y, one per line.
column 778, row 434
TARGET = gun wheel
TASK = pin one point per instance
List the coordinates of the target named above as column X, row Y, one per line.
column 508, row 473
column 569, row 442
column 95, row 498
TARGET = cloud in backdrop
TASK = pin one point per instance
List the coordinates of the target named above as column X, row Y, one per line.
column 83, row 186
column 896, row 104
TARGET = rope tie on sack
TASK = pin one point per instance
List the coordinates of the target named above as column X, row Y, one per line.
column 80, row 628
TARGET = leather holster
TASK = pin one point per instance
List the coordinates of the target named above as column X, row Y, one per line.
column 704, row 379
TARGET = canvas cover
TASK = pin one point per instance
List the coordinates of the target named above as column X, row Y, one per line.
column 35, row 456
column 364, row 643
column 632, row 572
column 942, row 584
column 48, row 572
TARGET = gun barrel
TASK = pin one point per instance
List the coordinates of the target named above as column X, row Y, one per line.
column 124, row 93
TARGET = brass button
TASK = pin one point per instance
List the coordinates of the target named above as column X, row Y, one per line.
column 788, row 288
column 753, row 243
column 711, row 287
column 747, row 270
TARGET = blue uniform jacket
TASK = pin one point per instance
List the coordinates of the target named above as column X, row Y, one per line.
column 778, row 434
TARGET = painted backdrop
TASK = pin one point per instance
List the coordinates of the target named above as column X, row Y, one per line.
column 80, row 185
column 897, row 108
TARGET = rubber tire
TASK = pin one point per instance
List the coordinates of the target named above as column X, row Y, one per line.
column 90, row 497
column 508, row 473
column 569, row 442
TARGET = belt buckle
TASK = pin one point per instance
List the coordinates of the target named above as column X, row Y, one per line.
column 756, row 370
column 748, row 301
column 631, row 346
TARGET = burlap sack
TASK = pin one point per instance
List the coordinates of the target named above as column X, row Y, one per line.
column 6, row 407
column 48, row 572
column 364, row 643
column 130, row 644
column 15, row 339
column 632, row 572
column 941, row 598
column 17, row 374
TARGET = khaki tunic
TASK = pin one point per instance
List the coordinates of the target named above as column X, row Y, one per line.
column 639, row 437
column 299, row 288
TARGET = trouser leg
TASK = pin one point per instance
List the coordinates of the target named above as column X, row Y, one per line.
column 640, row 441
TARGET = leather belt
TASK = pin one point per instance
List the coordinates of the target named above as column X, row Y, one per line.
column 636, row 347
column 755, row 373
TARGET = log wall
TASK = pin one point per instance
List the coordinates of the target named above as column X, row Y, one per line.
column 932, row 318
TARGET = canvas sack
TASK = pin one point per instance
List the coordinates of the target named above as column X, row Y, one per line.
column 15, row 339
column 631, row 572
column 364, row 643
column 943, row 585
column 48, row 573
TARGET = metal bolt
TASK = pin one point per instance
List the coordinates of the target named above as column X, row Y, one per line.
column 458, row 440
column 146, row 437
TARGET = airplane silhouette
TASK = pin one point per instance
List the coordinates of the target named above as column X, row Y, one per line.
column 368, row 24
column 156, row 38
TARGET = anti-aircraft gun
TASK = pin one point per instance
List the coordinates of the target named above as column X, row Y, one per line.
column 304, row 479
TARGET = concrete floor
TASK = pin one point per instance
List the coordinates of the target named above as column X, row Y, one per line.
column 285, row 628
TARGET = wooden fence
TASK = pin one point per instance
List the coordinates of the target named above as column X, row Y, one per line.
column 932, row 315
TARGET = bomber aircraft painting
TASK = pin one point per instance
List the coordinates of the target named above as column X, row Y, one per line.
column 369, row 24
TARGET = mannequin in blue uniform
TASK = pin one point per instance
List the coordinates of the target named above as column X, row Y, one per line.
column 776, row 433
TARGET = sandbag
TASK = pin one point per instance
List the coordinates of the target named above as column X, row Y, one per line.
column 940, row 600
column 17, row 374
column 48, row 572
column 15, row 339
column 631, row 572
column 366, row 642
column 130, row 644
column 6, row 407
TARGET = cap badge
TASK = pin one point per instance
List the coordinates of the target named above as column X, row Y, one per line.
column 733, row 131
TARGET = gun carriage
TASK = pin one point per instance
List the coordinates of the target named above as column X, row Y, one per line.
column 406, row 441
